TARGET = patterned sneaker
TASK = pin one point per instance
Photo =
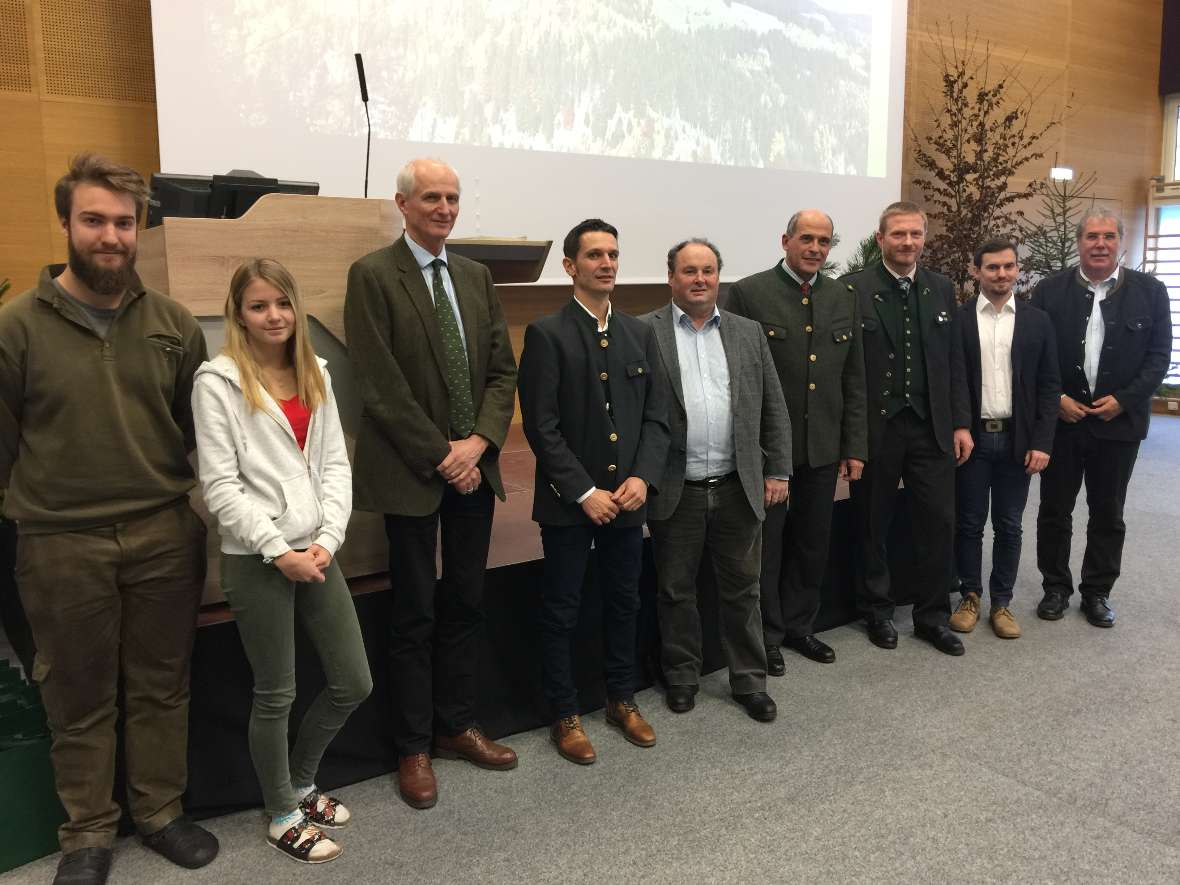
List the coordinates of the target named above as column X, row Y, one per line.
column 324, row 810
column 306, row 843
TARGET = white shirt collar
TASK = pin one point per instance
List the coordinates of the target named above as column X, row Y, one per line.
column 985, row 306
column 422, row 254
column 794, row 276
column 1111, row 280
column 589, row 313
column 898, row 276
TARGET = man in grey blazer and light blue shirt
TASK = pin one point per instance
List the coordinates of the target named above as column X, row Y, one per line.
column 729, row 460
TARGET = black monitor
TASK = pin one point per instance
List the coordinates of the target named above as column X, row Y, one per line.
column 215, row 196
column 232, row 194
column 183, row 196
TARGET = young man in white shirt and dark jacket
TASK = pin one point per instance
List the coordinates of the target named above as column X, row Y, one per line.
column 1013, row 384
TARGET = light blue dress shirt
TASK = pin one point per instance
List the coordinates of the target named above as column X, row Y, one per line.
column 704, row 379
column 424, row 259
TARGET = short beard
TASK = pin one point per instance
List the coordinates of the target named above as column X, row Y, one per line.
column 100, row 280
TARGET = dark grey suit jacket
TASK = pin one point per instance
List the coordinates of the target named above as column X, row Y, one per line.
column 761, row 426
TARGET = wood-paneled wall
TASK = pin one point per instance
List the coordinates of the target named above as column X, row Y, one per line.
column 1099, row 56
column 76, row 74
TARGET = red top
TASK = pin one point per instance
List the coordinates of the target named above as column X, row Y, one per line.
column 298, row 416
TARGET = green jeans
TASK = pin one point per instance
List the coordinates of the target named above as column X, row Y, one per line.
column 265, row 604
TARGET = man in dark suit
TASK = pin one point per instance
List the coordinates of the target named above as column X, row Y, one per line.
column 728, row 461
column 812, row 326
column 919, row 426
column 593, row 403
column 1012, row 379
column 1114, row 341
column 434, row 364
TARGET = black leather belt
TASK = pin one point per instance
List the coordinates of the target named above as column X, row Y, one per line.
column 709, row 481
column 997, row 425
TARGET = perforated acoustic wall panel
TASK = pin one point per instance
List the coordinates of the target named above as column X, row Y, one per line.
column 16, row 75
column 98, row 49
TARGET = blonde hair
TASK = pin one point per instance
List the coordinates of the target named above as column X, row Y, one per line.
column 308, row 377
column 901, row 207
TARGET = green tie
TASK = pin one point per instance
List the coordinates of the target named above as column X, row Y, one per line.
column 458, row 374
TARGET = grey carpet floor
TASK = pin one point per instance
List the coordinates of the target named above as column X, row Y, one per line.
column 1052, row 758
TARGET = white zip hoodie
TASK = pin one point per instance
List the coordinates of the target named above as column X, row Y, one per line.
column 269, row 496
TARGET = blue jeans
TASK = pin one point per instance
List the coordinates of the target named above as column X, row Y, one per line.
column 991, row 471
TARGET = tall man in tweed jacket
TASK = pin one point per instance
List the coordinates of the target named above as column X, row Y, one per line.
column 812, row 326
column 729, row 456
column 1114, row 341
column 430, row 347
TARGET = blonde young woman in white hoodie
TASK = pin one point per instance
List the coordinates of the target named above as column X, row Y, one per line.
column 275, row 474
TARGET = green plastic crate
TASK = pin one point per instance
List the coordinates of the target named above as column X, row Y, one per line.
column 26, row 782
column 26, row 774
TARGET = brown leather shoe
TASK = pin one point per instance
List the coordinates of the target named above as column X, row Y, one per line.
column 625, row 715
column 415, row 781
column 1003, row 623
column 477, row 749
column 571, row 741
column 966, row 616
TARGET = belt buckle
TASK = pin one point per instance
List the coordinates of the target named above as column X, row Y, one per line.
column 993, row 426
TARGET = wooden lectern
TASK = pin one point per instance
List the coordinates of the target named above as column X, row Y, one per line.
column 317, row 239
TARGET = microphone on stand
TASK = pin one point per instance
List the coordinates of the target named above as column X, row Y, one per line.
column 360, row 73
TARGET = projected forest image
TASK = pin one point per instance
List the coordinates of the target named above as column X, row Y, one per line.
column 759, row 84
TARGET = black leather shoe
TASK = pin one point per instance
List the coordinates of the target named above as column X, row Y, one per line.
column 775, row 665
column 941, row 638
column 758, row 705
column 812, row 648
column 1052, row 606
column 86, row 866
column 184, row 843
column 1097, row 611
column 680, row 698
column 882, row 633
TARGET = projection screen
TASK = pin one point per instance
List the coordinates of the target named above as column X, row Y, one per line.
column 668, row 118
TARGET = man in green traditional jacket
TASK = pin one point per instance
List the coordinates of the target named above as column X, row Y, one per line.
column 812, row 324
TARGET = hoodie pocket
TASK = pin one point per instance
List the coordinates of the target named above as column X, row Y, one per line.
column 301, row 508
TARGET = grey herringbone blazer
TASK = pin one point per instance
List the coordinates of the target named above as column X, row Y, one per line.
column 761, row 426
